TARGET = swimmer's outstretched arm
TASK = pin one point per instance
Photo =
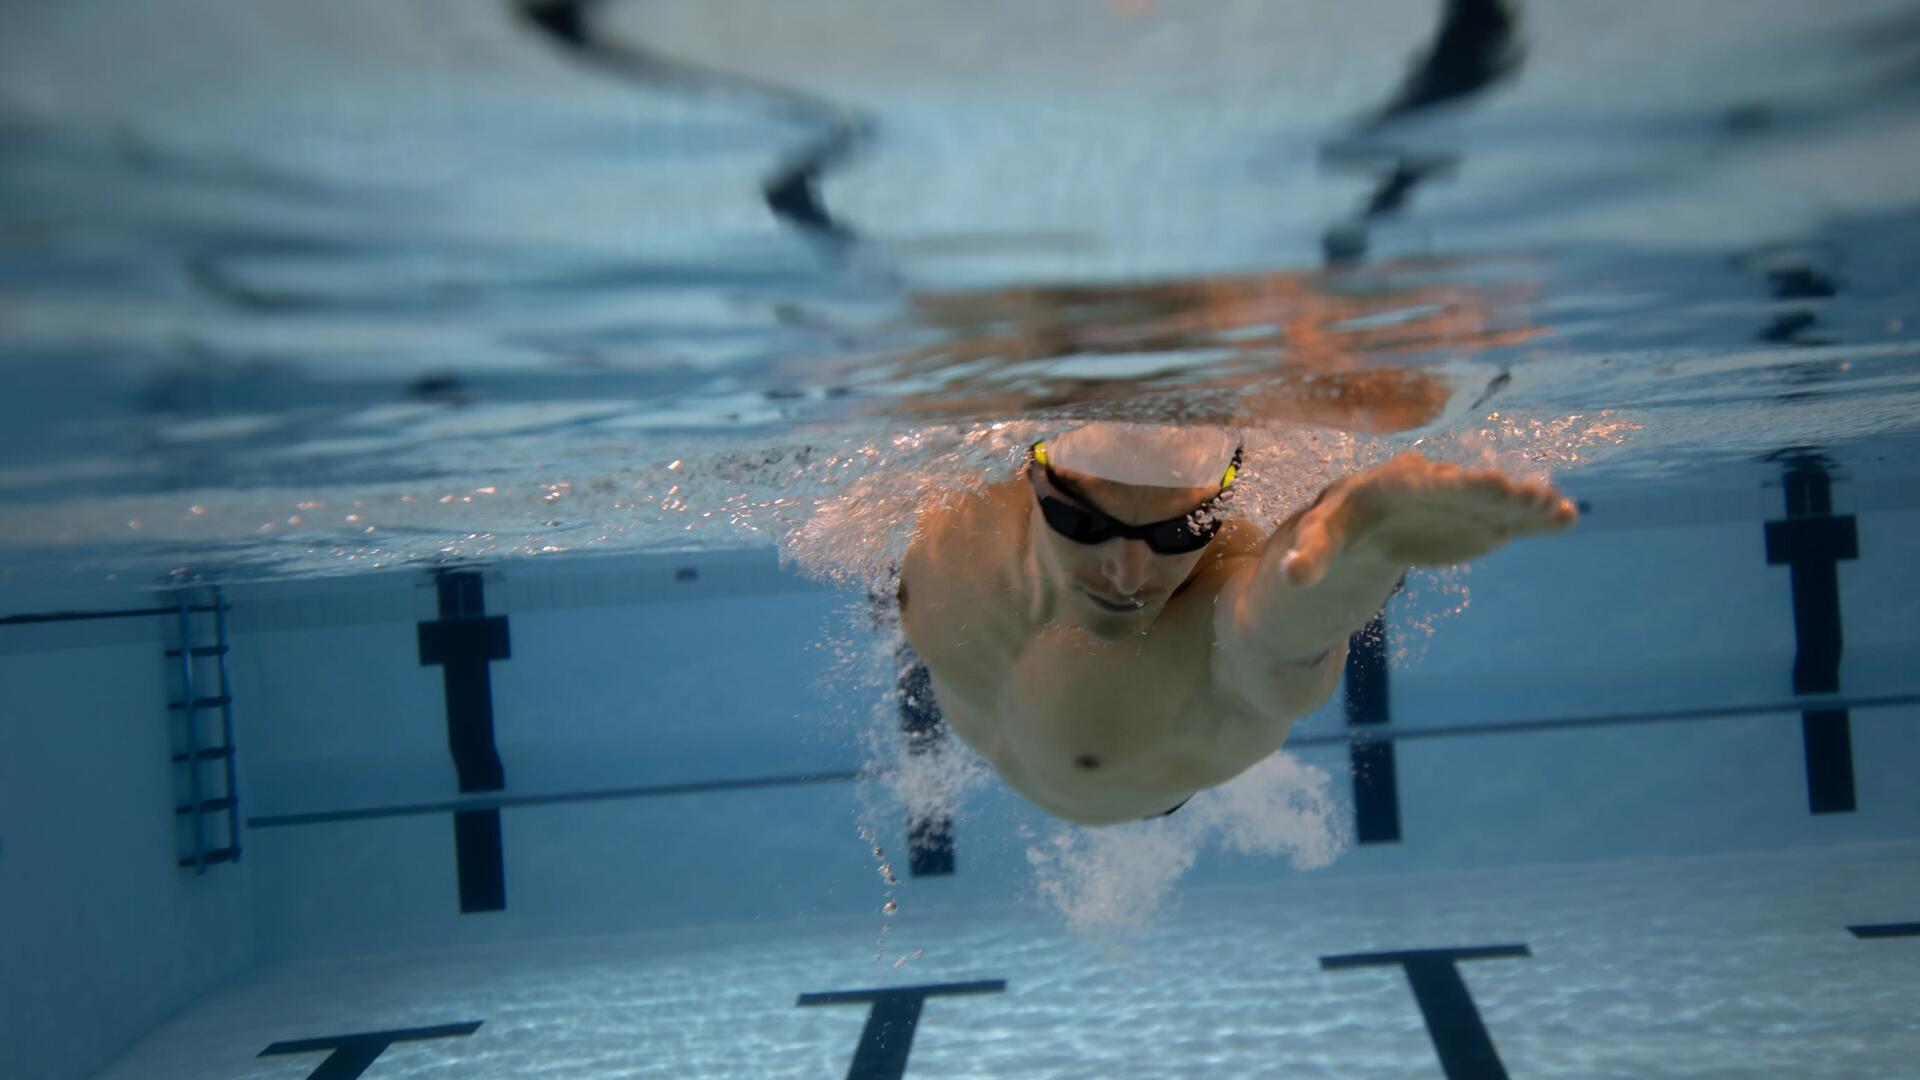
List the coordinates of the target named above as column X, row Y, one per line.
column 1325, row 571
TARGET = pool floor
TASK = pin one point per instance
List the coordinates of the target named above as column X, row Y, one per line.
column 1798, row 963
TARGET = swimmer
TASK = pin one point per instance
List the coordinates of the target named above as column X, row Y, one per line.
column 1112, row 638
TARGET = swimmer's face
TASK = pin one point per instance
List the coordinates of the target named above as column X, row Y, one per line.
column 1115, row 588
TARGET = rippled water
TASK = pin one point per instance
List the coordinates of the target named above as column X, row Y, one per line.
column 311, row 290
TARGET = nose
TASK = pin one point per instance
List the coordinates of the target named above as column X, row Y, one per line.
column 1126, row 565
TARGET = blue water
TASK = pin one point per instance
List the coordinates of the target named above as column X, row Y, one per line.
column 665, row 317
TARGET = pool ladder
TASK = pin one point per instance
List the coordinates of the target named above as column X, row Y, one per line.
column 197, row 754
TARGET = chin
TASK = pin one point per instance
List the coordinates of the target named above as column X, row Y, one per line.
column 1109, row 627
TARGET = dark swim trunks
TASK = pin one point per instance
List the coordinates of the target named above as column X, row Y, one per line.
column 920, row 716
column 1165, row 813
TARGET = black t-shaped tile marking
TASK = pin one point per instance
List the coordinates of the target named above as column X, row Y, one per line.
column 895, row 1013
column 353, row 1053
column 1459, row 1037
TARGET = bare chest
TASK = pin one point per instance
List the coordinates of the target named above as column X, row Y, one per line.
column 1128, row 716
column 1091, row 730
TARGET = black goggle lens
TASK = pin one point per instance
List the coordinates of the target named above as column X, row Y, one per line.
column 1178, row 536
column 1183, row 536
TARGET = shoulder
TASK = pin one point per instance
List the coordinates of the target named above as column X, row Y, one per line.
column 1262, row 694
column 960, row 515
column 954, row 610
column 962, row 555
column 958, row 525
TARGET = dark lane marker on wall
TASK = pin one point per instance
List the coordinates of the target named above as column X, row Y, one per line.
column 895, row 1013
column 463, row 642
column 929, row 835
column 1376, row 796
column 353, row 1053
column 1812, row 542
column 1466, row 1050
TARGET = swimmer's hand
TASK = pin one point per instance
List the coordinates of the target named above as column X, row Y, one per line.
column 1413, row 511
column 1282, row 624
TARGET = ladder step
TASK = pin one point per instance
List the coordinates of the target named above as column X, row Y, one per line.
column 207, row 805
column 202, row 650
column 225, row 854
column 204, row 702
column 209, row 753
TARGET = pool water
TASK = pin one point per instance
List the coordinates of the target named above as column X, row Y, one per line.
column 643, row 330
column 303, row 294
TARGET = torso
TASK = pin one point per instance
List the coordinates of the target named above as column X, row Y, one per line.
column 1091, row 731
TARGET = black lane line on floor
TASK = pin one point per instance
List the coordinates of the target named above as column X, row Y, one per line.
column 894, row 1015
column 1812, row 542
column 352, row 1054
column 463, row 641
column 1453, row 1022
column 1376, row 789
column 929, row 837
column 1884, row 930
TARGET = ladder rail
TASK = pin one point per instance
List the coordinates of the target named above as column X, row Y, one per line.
column 193, row 736
column 226, row 723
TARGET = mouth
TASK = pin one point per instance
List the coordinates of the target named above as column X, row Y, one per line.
column 1119, row 606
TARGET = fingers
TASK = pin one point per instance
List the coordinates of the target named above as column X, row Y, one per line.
column 1316, row 540
column 1531, row 505
column 1545, row 508
column 1421, row 512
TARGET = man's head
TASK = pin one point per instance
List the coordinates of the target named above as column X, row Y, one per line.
column 1121, row 516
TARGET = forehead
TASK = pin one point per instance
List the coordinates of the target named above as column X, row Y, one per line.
column 1132, row 503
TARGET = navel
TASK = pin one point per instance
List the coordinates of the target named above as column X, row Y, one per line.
column 1087, row 761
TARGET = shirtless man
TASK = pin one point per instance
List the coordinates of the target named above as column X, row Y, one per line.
column 1104, row 632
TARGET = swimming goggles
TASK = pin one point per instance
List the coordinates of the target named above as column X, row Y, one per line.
column 1182, row 535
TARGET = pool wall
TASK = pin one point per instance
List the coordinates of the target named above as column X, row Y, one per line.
column 104, row 934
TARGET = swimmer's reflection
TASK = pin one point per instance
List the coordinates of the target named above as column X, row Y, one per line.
column 1288, row 346
column 1113, row 638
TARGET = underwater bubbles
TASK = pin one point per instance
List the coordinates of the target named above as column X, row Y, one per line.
column 1118, row 878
